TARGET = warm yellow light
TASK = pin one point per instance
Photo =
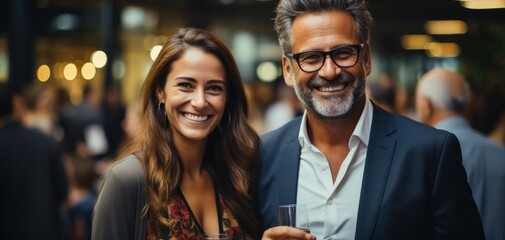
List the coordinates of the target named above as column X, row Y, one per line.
column 442, row 49
column 267, row 71
column 483, row 4
column 88, row 71
column 415, row 41
column 99, row 59
column 70, row 71
column 155, row 51
column 43, row 73
column 446, row 27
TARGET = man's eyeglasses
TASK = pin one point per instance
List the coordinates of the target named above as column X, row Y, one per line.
column 343, row 56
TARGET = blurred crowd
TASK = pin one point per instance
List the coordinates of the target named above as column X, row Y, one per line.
column 47, row 141
column 88, row 135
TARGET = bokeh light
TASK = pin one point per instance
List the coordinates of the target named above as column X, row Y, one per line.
column 43, row 73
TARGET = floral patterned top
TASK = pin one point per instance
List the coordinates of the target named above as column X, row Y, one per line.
column 183, row 224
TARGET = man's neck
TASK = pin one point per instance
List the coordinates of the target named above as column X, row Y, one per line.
column 440, row 116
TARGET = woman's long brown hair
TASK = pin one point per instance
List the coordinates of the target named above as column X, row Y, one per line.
column 229, row 155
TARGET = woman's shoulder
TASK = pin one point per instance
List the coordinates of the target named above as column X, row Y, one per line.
column 127, row 169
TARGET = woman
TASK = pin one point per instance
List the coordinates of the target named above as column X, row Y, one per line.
column 188, row 172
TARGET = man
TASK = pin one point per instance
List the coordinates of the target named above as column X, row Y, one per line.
column 363, row 173
column 441, row 100
column 32, row 179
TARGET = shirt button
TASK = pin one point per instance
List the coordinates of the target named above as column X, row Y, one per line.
column 329, row 202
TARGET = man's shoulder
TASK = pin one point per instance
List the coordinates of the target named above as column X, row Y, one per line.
column 471, row 137
column 403, row 122
column 16, row 134
column 289, row 129
column 407, row 128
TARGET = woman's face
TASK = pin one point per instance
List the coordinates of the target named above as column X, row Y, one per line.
column 194, row 95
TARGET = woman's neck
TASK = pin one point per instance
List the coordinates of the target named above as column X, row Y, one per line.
column 192, row 154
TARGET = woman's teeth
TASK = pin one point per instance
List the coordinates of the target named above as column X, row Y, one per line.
column 198, row 118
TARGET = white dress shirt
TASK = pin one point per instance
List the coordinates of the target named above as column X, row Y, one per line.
column 333, row 206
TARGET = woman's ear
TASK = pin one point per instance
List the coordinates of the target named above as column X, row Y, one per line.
column 160, row 95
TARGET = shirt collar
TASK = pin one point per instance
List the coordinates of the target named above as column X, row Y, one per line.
column 360, row 133
column 452, row 122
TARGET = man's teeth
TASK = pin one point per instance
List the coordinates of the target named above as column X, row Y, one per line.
column 332, row 88
column 198, row 118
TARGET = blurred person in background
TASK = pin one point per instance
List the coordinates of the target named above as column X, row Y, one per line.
column 188, row 171
column 113, row 113
column 40, row 110
column 83, row 126
column 382, row 91
column 489, row 114
column 255, row 116
column 81, row 199
column 131, row 126
column 32, row 179
column 363, row 172
column 285, row 109
column 442, row 96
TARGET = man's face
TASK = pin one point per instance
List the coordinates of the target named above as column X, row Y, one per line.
column 331, row 92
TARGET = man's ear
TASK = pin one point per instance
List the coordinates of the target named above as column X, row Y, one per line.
column 287, row 71
column 367, row 59
column 427, row 109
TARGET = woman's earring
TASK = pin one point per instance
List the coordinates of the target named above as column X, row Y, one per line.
column 162, row 114
column 223, row 129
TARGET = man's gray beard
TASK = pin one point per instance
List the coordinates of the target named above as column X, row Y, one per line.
column 332, row 107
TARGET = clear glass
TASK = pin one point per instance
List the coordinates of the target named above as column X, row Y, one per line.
column 343, row 56
column 294, row 215
column 217, row 236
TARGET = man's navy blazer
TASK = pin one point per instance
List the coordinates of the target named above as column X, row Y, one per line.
column 414, row 185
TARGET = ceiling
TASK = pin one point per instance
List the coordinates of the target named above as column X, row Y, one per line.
column 393, row 18
column 483, row 44
column 430, row 9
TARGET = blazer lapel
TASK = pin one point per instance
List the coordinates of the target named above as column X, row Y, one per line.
column 380, row 153
column 289, row 167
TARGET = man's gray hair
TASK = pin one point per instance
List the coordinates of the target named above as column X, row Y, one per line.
column 288, row 10
column 437, row 88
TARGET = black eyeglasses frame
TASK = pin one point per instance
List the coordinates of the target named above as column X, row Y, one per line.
column 296, row 56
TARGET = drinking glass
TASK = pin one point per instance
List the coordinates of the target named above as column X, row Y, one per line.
column 217, row 236
column 294, row 215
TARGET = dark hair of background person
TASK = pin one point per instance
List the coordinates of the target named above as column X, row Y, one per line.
column 383, row 92
column 288, row 10
column 229, row 156
column 486, row 111
column 83, row 174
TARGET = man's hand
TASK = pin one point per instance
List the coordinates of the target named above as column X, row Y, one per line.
column 285, row 232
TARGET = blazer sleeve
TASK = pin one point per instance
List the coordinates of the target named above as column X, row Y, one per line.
column 455, row 213
column 117, row 213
